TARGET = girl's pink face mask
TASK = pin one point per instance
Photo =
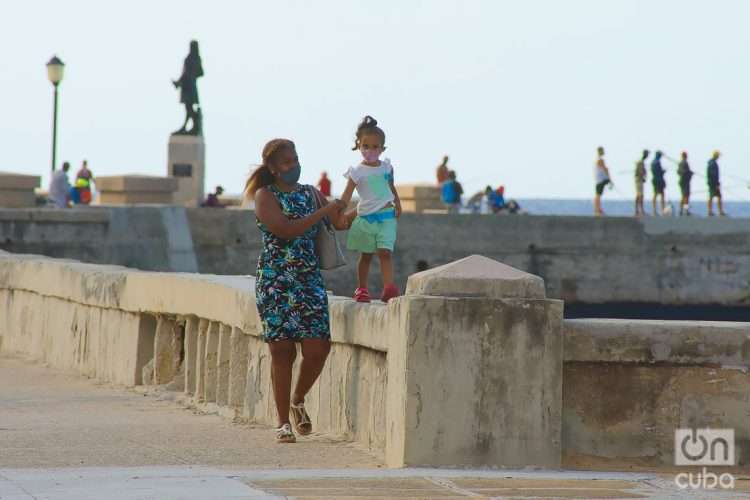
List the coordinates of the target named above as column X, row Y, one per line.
column 371, row 155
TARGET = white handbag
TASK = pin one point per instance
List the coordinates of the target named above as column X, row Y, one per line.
column 326, row 245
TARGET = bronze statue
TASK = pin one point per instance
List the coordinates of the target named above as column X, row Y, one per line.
column 191, row 71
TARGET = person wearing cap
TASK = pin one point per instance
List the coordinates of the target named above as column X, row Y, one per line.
column 212, row 200
column 714, row 186
column 657, row 180
column 685, row 174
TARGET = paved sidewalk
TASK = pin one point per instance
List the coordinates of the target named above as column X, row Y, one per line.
column 63, row 437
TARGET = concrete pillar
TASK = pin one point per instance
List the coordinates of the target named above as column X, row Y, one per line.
column 222, row 365
column 200, row 361
column 191, row 353
column 211, row 357
column 475, row 369
column 167, row 346
column 238, row 368
column 145, row 350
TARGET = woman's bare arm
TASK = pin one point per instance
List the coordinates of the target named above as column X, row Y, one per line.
column 268, row 211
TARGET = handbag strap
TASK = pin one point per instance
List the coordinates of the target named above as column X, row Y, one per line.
column 318, row 205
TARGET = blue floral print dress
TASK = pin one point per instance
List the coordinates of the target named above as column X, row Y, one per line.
column 289, row 289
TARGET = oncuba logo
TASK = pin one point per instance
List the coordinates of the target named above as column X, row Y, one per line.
column 704, row 447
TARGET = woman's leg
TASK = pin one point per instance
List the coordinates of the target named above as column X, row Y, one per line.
column 314, row 354
column 283, row 354
column 386, row 266
column 363, row 269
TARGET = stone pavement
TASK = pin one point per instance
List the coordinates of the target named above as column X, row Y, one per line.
column 63, row 437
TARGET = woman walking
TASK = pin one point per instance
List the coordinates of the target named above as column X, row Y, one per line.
column 289, row 291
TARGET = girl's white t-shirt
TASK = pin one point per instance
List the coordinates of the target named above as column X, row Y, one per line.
column 373, row 186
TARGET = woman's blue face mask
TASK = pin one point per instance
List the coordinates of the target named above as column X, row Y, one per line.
column 292, row 175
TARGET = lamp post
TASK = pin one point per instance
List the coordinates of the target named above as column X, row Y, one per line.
column 55, row 70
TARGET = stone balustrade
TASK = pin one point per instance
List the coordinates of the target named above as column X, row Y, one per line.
column 472, row 366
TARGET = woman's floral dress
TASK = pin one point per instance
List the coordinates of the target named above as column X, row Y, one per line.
column 289, row 289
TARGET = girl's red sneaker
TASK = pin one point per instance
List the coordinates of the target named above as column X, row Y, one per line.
column 362, row 295
column 389, row 292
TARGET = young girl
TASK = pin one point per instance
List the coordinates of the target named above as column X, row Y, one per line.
column 374, row 229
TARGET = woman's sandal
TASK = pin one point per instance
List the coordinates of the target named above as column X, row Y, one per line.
column 284, row 434
column 362, row 295
column 302, row 423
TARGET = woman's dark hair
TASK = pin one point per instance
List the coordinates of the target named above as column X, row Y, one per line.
column 262, row 176
column 369, row 125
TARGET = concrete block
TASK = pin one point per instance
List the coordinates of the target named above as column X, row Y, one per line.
column 186, row 163
column 10, row 182
column 191, row 353
column 223, row 365
column 475, row 381
column 200, row 361
column 238, row 368
column 136, row 184
column 211, row 357
column 17, row 198
column 132, row 189
column 418, row 192
column 476, row 276
column 167, row 347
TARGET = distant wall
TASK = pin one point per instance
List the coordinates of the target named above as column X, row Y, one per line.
column 583, row 260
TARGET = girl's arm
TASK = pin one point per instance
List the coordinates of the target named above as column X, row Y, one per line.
column 341, row 221
column 396, row 199
column 348, row 191
column 268, row 211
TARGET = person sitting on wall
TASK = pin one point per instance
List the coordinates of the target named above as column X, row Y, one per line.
column 212, row 200
column 59, row 188
column 495, row 200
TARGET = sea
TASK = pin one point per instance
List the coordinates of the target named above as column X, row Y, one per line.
column 536, row 206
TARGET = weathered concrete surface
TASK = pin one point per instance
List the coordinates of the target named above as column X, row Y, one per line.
column 503, row 403
column 17, row 190
column 67, row 438
column 131, row 189
column 52, row 418
column 581, row 259
column 628, row 385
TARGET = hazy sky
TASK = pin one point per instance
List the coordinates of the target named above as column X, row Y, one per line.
column 517, row 92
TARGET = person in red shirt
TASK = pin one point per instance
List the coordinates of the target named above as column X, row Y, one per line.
column 324, row 184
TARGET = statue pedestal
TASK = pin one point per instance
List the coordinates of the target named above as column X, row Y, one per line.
column 187, row 163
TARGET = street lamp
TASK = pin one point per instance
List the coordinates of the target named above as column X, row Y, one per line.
column 55, row 70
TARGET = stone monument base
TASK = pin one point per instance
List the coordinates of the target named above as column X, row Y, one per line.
column 17, row 190
column 135, row 189
column 187, row 164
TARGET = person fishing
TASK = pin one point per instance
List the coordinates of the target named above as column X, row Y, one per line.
column 640, row 180
column 657, row 180
column 685, row 174
column 714, row 186
column 602, row 178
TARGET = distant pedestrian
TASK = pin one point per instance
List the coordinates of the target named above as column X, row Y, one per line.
column 324, row 185
column 212, row 200
column 59, row 188
column 442, row 171
column 451, row 192
column 602, row 178
column 685, row 174
column 657, row 180
column 714, row 186
column 640, row 180
column 82, row 188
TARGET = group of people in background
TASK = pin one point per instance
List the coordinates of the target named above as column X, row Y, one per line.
column 451, row 194
column 685, row 174
column 62, row 194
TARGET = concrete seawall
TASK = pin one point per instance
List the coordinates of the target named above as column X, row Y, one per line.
column 473, row 366
column 583, row 260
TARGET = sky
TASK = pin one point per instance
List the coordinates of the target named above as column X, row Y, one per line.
column 518, row 93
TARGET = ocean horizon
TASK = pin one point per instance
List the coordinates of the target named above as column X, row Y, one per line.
column 620, row 208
